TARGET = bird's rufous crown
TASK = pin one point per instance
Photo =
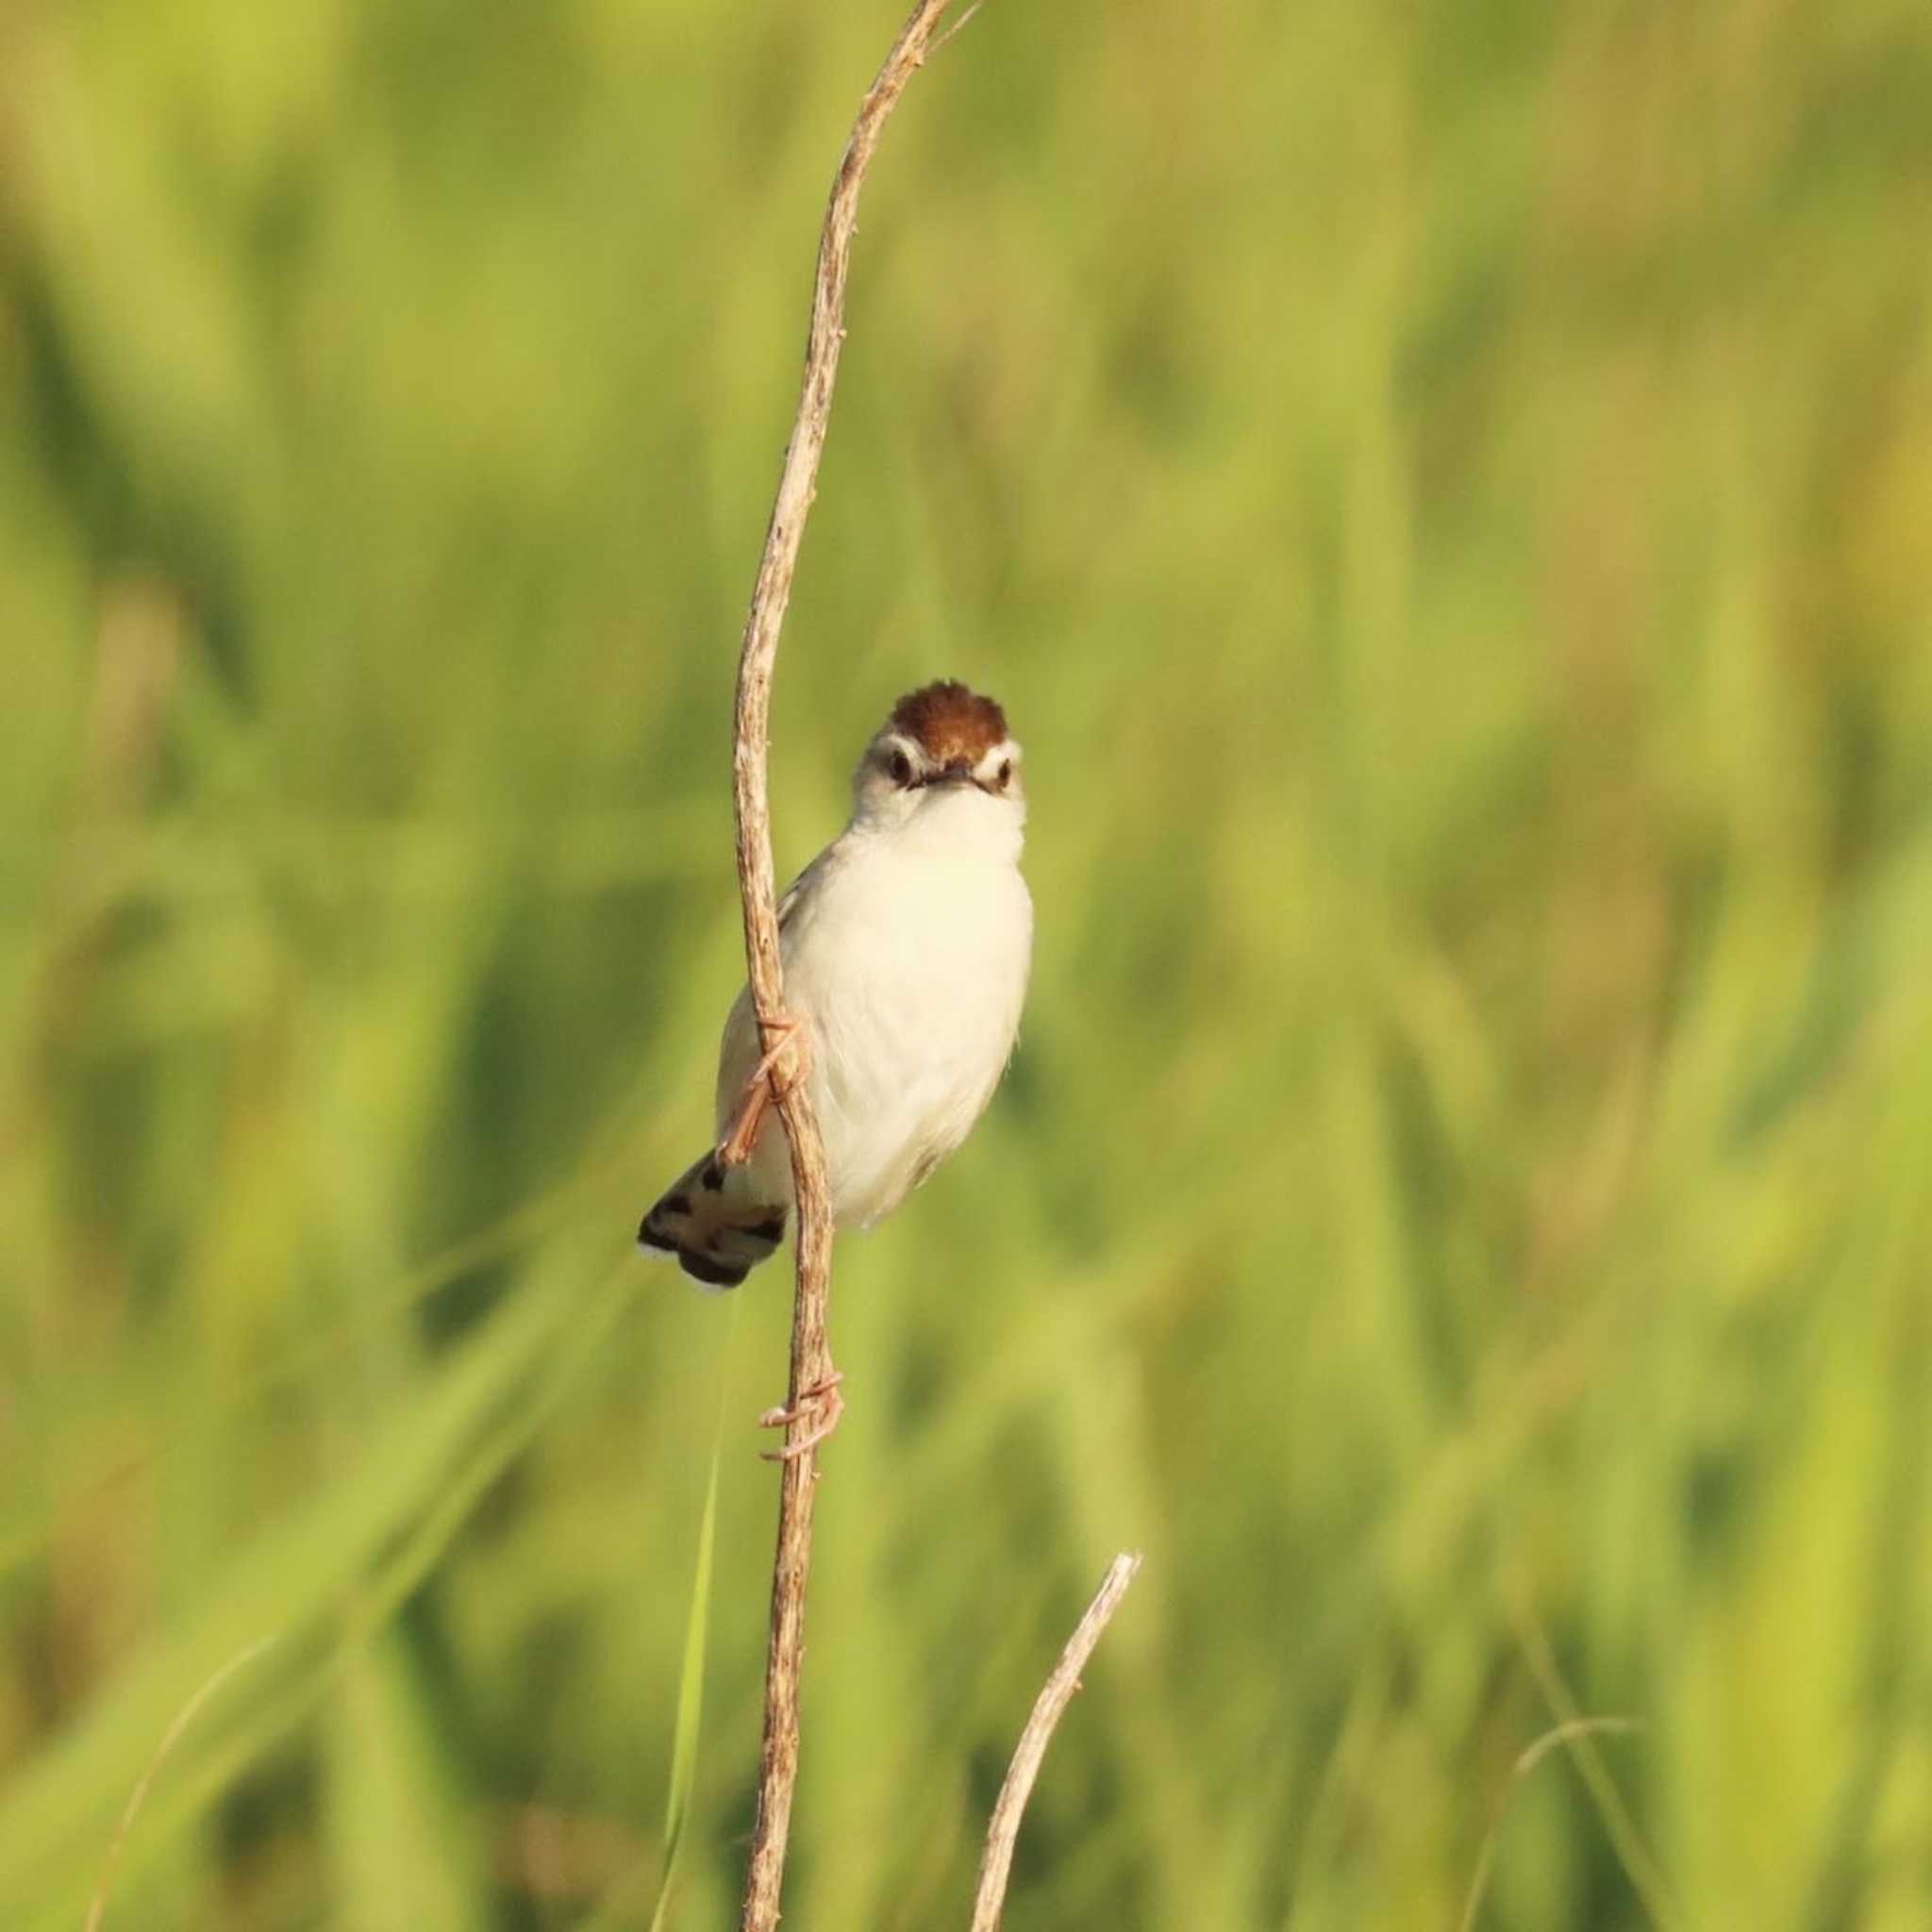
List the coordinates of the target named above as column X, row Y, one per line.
column 948, row 722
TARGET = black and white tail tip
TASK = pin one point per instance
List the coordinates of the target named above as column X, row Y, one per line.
column 713, row 1222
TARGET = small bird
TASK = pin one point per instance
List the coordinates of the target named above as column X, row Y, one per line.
column 906, row 946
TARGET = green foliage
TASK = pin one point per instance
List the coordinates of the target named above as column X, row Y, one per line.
column 1444, row 495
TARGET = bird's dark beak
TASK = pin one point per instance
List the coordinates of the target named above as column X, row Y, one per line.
column 957, row 772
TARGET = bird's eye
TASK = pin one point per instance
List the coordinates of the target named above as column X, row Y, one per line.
column 899, row 768
column 1004, row 775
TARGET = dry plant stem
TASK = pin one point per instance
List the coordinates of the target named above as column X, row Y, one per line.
column 811, row 1357
column 1001, row 1833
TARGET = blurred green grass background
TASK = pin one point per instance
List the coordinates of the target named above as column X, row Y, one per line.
column 1444, row 494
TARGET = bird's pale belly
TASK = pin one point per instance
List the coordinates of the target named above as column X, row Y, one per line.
column 911, row 1029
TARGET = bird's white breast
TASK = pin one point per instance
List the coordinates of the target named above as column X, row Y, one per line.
column 908, row 955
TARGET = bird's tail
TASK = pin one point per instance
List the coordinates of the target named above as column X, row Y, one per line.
column 714, row 1222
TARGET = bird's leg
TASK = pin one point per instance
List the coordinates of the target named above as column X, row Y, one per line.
column 786, row 1062
column 822, row 1401
column 734, row 1150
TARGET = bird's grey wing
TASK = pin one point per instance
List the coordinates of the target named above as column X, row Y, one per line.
column 738, row 1055
column 788, row 903
column 740, row 1051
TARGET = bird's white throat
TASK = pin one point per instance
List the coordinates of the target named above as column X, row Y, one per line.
column 950, row 822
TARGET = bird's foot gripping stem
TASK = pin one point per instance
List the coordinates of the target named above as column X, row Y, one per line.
column 821, row 1405
column 786, row 1062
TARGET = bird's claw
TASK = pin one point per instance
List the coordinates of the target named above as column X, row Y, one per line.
column 786, row 1062
column 822, row 1400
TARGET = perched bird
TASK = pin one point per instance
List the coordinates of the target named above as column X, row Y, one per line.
column 906, row 946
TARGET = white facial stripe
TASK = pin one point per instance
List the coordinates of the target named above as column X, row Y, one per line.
column 907, row 748
column 925, row 773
